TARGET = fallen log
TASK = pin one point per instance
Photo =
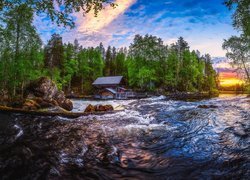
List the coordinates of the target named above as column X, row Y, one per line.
column 67, row 114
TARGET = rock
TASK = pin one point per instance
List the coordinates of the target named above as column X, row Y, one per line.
column 104, row 108
column 43, row 87
column 98, row 108
column 46, row 94
column 55, row 103
column 46, row 104
column 66, row 104
column 109, row 108
column 30, row 104
column 90, row 108
column 207, row 106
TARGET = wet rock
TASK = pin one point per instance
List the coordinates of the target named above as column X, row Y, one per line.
column 90, row 108
column 99, row 108
column 104, row 108
column 62, row 101
column 43, row 87
column 30, row 104
column 46, row 104
column 44, row 92
column 109, row 108
column 207, row 106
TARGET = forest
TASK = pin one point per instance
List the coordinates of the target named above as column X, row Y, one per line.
column 147, row 64
column 174, row 120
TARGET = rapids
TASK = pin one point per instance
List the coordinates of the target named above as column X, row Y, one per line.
column 152, row 138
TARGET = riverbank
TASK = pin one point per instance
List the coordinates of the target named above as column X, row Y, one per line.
column 186, row 96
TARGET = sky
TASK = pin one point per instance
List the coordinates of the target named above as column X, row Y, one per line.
column 228, row 75
column 203, row 24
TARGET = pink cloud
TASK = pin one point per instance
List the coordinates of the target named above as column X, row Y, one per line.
column 91, row 24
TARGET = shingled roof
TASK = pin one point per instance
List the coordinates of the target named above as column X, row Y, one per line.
column 111, row 80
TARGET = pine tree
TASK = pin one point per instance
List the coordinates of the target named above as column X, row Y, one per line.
column 53, row 58
column 108, row 61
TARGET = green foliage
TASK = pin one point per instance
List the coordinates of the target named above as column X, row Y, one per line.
column 57, row 10
column 149, row 54
column 120, row 64
column 247, row 88
column 54, row 52
column 241, row 16
column 148, row 64
column 146, row 78
column 238, row 50
column 70, row 64
column 170, row 75
column 20, row 57
column 210, row 75
column 96, row 64
column 56, row 77
column 90, row 67
column 152, row 64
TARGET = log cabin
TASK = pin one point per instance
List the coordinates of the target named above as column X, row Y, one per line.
column 111, row 88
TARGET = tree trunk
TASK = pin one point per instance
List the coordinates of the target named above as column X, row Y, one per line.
column 82, row 84
column 14, row 90
column 22, row 89
column 16, row 56
column 246, row 71
column 69, row 87
column 17, row 40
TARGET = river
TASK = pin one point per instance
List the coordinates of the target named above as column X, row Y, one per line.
column 153, row 138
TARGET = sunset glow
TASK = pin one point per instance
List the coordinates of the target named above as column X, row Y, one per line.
column 230, row 82
column 228, row 79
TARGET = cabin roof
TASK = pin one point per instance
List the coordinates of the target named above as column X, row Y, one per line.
column 110, row 80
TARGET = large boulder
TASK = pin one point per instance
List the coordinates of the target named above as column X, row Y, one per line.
column 44, row 88
column 44, row 92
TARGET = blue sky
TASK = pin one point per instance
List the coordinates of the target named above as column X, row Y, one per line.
column 203, row 23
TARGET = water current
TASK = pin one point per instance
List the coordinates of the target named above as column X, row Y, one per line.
column 154, row 138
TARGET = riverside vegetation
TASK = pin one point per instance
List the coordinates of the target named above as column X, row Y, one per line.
column 147, row 64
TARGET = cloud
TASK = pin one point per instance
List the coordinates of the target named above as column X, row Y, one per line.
column 90, row 23
column 202, row 24
column 168, row 2
column 170, row 41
